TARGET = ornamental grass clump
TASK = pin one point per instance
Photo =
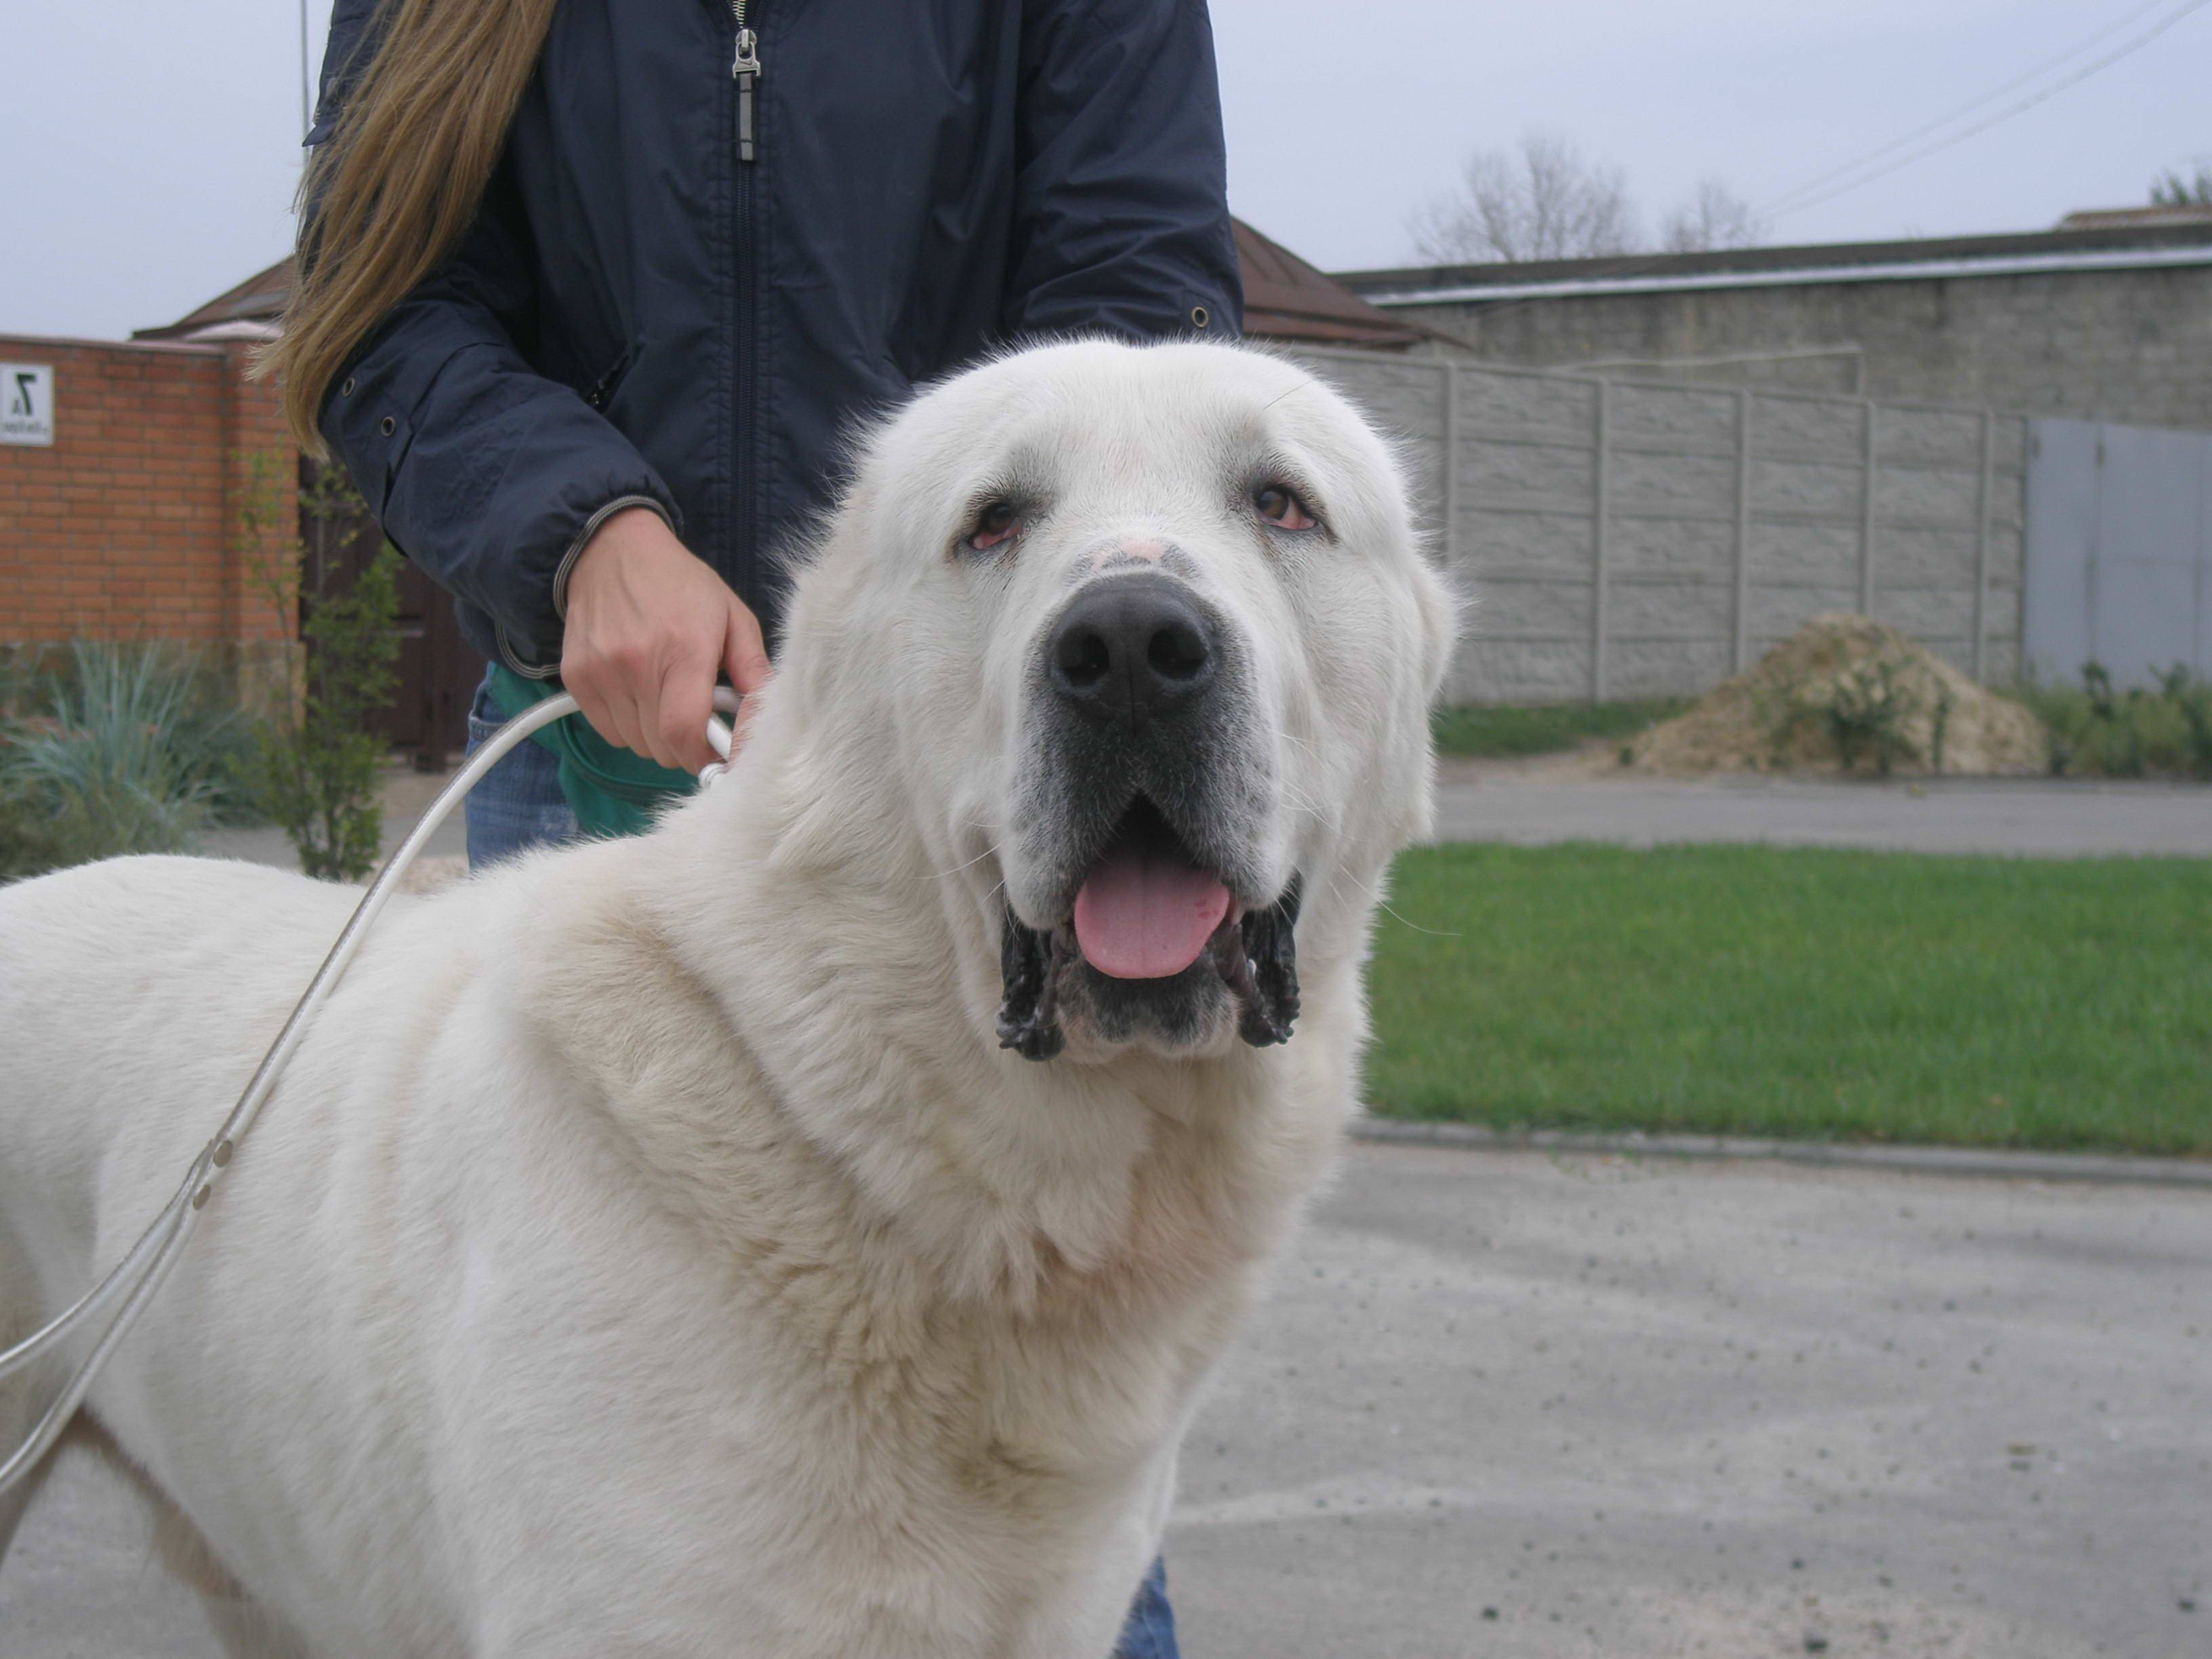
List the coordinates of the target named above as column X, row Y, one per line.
column 121, row 748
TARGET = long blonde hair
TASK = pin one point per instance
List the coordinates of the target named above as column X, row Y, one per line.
column 397, row 182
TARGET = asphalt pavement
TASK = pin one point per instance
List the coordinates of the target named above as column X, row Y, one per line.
column 1540, row 804
column 1558, row 798
column 1537, row 1406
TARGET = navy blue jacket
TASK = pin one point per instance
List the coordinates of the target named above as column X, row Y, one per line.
column 639, row 315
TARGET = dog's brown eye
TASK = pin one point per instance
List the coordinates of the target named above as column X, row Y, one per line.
column 1280, row 508
column 999, row 522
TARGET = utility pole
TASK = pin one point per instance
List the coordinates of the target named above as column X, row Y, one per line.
column 306, row 104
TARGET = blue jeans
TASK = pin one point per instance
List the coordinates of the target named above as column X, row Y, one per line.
column 518, row 806
column 1149, row 1633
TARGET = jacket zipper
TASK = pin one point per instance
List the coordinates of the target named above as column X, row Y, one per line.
column 746, row 72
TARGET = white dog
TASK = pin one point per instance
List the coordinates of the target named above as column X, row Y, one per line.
column 803, row 1229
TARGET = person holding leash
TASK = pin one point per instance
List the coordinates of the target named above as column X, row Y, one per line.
column 591, row 293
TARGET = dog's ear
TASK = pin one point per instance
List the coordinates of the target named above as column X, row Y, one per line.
column 1443, row 618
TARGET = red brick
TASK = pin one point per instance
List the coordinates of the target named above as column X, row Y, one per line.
column 125, row 523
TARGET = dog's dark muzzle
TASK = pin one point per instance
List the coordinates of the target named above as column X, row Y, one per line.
column 1144, row 801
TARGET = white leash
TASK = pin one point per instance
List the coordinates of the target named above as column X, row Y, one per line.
column 136, row 1278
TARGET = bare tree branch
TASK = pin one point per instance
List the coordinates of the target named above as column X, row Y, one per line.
column 1542, row 200
column 1715, row 217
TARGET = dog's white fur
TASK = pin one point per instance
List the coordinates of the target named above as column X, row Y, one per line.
column 650, row 1250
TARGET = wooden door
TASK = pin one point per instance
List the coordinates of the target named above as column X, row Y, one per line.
column 428, row 718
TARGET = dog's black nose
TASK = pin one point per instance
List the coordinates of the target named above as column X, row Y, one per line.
column 1131, row 648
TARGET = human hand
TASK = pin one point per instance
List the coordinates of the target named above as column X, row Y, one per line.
column 649, row 628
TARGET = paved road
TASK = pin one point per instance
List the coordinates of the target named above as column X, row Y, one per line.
column 405, row 793
column 1536, row 804
column 1636, row 1410
column 2047, row 817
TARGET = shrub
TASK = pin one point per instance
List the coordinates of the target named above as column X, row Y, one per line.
column 2096, row 728
column 316, row 767
column 122, row 748
column 1863, row 713
column 318, row 762
column 1866, row 714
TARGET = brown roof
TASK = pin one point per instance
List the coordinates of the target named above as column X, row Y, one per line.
column 2187, row 213
column 259, row 299
column 1285, row 299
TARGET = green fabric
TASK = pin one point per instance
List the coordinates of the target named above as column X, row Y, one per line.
column 611, row 790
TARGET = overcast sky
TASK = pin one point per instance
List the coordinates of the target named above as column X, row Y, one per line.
column 147, row 151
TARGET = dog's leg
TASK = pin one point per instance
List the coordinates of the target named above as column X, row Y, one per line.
column 243, row 1629
column 19, row 1396
column 14, row 1424
column 247, row 1631
column 231, row 1612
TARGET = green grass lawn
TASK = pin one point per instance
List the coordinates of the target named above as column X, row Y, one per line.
column 1819, row 994
column 1505, row 731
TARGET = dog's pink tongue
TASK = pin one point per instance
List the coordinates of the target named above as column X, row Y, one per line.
column 1144, row 915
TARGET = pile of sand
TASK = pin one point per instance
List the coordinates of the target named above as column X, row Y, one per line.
column 1773, row 717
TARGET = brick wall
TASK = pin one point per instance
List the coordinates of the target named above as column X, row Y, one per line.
column 132, row 524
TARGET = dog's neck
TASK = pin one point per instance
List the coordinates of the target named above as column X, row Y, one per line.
column 1013, row 1183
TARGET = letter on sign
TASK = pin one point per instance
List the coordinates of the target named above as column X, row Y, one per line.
column 27, row 403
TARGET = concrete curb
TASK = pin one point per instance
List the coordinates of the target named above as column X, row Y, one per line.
column 1914, row 1160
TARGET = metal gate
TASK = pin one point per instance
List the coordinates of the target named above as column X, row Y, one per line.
column 2119, row 550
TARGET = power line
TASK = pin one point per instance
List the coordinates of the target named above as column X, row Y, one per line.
column 2002, row 115
column 1634, row 265
column 307, row 106
column 1781, row 204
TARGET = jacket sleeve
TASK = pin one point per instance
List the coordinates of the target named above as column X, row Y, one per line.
column 485, row 473
column 1121, row 206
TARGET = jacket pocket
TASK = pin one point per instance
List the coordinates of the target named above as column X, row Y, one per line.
column 396, row 432
column 601, row 391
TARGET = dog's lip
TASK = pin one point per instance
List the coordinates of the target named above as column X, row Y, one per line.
column 1059, row 919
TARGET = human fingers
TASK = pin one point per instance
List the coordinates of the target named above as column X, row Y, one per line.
column 684, row 699
column 744, row 652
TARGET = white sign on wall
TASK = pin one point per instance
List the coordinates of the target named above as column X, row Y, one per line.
column 27, row 403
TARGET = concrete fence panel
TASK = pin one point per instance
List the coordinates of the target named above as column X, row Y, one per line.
column 1625, row 539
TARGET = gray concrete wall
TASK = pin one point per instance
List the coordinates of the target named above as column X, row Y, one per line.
column 1623, row 540
column 2134, row 346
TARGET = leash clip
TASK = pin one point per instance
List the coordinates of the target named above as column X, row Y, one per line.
column 719, row 737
